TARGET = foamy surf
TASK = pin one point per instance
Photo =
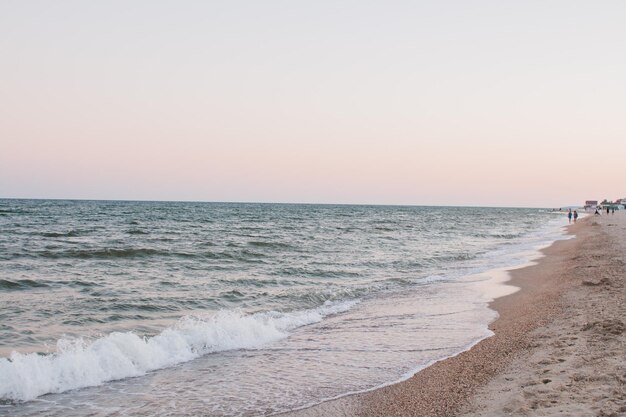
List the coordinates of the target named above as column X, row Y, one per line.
column 80, row 363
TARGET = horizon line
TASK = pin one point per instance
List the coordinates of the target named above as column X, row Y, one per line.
column 277, row 202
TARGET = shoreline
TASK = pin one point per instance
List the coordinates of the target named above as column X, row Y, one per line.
column 574, row 362
column 450, row 386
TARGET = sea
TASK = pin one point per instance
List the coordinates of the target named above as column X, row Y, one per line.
column 115, row 308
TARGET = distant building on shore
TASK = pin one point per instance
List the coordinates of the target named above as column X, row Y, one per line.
column 613, row 205
column 591, row 204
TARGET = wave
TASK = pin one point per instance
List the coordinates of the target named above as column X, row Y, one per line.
column 21, row 284
column 7, row 211
column 27, row 284
column 508, row 236
column 270, row 245
column 105, row 253
column 445, row 258
column 79, row 363
column 71, row 233
column 243, row 255
column 137, row 232
column 306, row 271
column 126, row 252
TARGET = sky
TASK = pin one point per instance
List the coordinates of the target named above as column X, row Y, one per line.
column 488, row 103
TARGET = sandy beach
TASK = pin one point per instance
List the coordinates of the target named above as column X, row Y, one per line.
column 558, row 349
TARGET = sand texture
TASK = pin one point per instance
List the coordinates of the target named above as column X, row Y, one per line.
column 559, row 346
column 576, row 364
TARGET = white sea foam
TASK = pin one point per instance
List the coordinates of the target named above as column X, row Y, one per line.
column 79, row 363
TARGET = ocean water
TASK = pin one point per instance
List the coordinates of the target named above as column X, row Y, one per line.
column 166, row 308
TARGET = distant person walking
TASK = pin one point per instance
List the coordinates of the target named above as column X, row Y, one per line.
column 612, row 210
column 607, row 210
column 597, row 213
column 575, row 216
column 569, row 215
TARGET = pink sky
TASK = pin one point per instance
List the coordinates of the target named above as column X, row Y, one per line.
column 331, row 102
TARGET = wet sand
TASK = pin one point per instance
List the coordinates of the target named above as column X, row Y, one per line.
column 559, row 346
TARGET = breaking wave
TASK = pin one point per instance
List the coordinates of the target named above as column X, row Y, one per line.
column 80, row 363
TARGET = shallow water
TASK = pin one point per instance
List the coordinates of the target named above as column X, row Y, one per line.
column 238, row 309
